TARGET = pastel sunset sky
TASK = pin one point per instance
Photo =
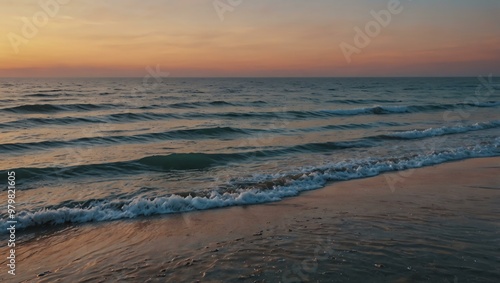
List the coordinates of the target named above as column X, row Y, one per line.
column 256, row 38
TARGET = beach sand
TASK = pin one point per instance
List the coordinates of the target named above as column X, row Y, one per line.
column 436, row 224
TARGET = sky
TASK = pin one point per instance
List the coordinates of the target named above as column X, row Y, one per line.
column 249, row 38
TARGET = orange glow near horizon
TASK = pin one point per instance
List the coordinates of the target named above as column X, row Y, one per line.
column 255, row 38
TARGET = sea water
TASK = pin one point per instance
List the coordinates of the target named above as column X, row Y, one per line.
column 115, row 148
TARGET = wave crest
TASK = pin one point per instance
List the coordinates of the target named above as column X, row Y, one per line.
column 287, row 185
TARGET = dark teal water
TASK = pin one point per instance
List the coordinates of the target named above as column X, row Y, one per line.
column 104, row 149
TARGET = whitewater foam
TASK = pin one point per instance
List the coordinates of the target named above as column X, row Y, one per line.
column 307, row 179
column 433, row 132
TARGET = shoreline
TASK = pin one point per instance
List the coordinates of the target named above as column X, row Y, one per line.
column 346, row 230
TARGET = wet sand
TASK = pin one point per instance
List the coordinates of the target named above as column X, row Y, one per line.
column 435, row 224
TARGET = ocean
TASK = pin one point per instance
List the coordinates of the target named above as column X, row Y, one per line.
column 109, row 149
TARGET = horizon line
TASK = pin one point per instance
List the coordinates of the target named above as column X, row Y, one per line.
column 244, row 77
